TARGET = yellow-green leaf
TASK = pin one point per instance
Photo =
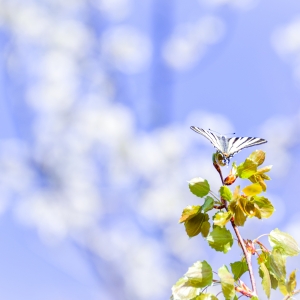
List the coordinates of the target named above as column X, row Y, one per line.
column 291, row 284
column 252, row 189
column 182, row 291
column 261, row 182
column 199, row 186
column 248, row 207
column 205, row 229
column 258, row 156
column 227, row 283
column 220, row 239
column 236, row 193
column 264, row 206
column 266, row 280
column 257, row 178
column 274, row 282
column 247, row 168
column 208, row 204
column 282, row 288
column 238, row 268
column 196, row 224
column 225, row 193
column 264, row 170
column 222, row 218
column 206, row 297
column 283, row 242
column 189, row 212
column 199, row 274
column 239, row 216
column 265, row 177
column 277, row 263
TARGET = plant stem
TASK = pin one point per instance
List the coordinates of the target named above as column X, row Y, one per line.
column 240, row 239
column 261, row 236
column 247, row 256
column 217, row 167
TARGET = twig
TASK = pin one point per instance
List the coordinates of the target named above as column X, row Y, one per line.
column 260, row 237
column 219, row 171
column 247, row 256
column 241, row 241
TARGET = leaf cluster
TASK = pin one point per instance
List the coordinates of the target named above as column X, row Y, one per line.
column 235, row 207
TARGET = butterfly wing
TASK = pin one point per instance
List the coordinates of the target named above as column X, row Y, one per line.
column 213, row 138
column 236, row 144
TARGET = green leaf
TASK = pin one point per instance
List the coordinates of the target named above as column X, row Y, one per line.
column 208, row 204
column 199, row 186
column 234, row 169
column 252, row 189
column 220, row 239
column 225, row 193
column 254, row 298
column 282, row 288
column 236, row 193
column 263, row 170
column 197, row 224
column 238, row 268
column 256, row 178
column 182, row 291
column 277, row 263
column 274, row 282
column 266, row 280
column 221, row 218
column 189, row 212
column 206, row 297
column 247, row 168
column 239, row 217
column 264, row 206
column 257, row 156
column 265, row 177
column 205, row 229
column 227, row 283
column 248, row 208
column 291, row 284
column 263, row 257
column 199, row 275
column 283, row 242
column 237, row 211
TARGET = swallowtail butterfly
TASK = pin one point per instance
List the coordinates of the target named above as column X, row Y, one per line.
column 228, row 146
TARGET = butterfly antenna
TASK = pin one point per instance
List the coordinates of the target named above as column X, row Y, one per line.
column 214, row 131
column 220, row 133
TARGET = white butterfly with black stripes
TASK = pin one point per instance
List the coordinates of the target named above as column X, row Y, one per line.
column 228, row 146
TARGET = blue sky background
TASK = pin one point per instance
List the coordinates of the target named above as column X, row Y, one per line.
column 95, row 106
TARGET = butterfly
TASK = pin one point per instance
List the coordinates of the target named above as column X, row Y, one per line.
column 228, row 146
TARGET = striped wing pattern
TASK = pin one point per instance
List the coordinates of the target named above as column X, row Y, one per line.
column 213, row 138
column 228, row 146
column 235, row 145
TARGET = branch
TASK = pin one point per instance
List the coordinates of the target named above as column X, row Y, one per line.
column 247, row 256
column 290, row 296
column 219, row 171
column 241, row 241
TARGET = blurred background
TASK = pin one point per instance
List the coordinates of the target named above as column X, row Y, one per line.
column 96, row 100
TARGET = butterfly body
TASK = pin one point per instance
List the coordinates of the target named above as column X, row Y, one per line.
column 228, row 146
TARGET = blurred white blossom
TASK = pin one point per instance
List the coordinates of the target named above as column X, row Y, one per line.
column 286, row 42
column 189, row 43
column 237, row 4
column 126, row 49
column 281, row 132
column 115, row 10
